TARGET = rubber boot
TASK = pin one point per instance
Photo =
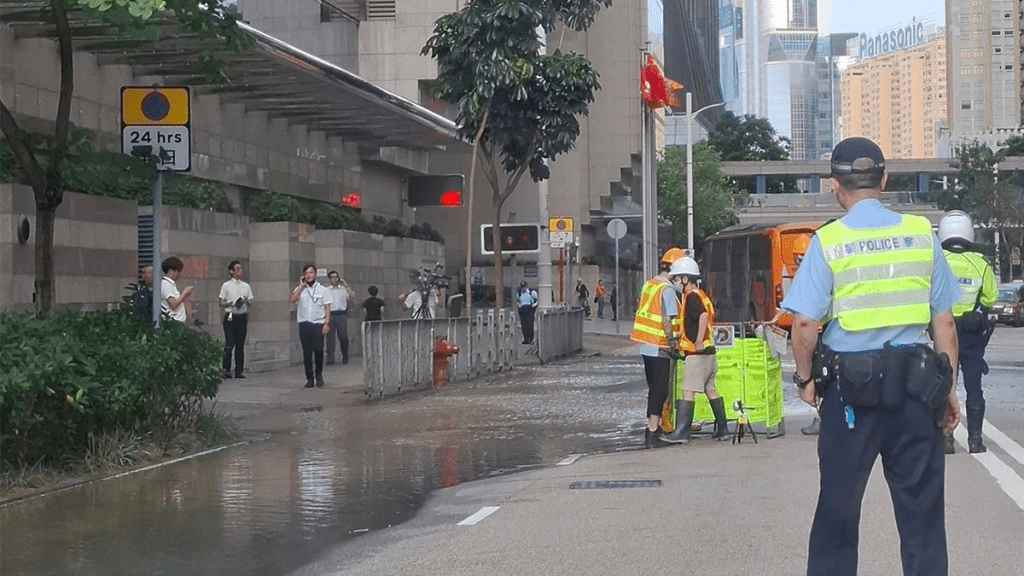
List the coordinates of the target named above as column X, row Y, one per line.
column 813, row 428
column 684, row 418
column 721, row 424
column 975, row 416
column 947, row 444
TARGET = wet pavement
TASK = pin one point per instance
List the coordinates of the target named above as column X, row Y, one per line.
column 322, row 466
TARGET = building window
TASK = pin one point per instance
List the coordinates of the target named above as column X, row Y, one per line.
column 996, row 33
column 997, row 50
column 1008, row 33
column 965, row 105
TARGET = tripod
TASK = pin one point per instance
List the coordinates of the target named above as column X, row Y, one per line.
column 742, row 421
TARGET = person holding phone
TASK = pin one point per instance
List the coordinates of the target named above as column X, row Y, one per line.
column 314, row 317
column 235, row 296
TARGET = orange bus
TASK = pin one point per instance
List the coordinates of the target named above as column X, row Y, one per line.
column 748, row 269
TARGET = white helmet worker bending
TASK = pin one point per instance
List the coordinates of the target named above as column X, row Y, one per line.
column 956, row 225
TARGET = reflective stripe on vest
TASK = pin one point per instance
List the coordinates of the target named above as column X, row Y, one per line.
column 969, row 269
column 685, row 344
column 647, row 326
column 881, row 277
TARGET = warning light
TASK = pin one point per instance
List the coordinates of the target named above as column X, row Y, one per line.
column 351, row 200
column 451, row 198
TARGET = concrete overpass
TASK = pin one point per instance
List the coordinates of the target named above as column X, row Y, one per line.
column 923, row 168
column 783, row 208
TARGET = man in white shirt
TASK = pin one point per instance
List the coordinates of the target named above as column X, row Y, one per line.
column 340, row 294
column 314, row 317
column 235, row 296
column 412, row 302
column 172, row 302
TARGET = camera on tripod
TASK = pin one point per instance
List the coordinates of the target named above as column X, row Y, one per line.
column 425, row 278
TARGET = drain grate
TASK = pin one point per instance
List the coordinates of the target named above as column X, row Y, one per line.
column 613, row 484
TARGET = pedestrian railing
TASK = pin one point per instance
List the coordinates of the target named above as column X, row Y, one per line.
column 398, row 355
column 559, row 332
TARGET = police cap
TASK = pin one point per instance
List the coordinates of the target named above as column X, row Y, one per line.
column 857, row 156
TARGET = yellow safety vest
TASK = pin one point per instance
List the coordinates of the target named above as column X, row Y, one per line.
column 647, row 326
column 685, row 344
column 975, row 277
column 881, row 277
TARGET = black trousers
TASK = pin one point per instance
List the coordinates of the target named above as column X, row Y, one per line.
column 312, row 338
column 914, row 465
column 658, row 371
column 235, row 331
column 526, row 318
column 339, row 330
column 973, row 366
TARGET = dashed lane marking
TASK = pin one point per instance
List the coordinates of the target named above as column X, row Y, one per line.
column 1008, row 480
column 480, row 515
column 571, row 458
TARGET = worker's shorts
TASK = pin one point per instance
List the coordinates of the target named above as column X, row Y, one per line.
column 700, row 372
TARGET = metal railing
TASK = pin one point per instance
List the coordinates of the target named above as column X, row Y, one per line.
column 559, row 332
column 398, row 355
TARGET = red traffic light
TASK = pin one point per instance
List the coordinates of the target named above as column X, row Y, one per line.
column 451, row 198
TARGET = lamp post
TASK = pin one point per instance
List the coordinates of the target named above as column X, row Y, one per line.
column 689, row 165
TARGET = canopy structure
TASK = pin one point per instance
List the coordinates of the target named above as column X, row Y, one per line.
column 271, row 77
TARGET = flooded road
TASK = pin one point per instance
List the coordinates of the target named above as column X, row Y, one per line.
column 324, row 473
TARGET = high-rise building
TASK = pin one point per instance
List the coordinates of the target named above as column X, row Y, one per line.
column 898, row 98
column 984, row 59
column 831, row 56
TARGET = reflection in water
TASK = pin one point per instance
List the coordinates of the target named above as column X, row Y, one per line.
column 272, row 506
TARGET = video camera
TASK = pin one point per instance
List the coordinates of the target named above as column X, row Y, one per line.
column 425, row 278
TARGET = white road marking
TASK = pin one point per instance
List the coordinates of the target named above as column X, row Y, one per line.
column 480, row 515
column 569, row 459
column 1006, row 477
column 1005, row 442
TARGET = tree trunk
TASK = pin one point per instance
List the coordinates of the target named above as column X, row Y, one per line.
column 499, row 276
column 44, row 284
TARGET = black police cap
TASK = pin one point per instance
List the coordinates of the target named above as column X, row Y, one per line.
column 857, row 156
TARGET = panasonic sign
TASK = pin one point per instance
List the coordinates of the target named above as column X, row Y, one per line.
column 891, row 40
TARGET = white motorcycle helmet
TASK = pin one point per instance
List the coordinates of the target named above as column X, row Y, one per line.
column 956, row 225
column 684, row 265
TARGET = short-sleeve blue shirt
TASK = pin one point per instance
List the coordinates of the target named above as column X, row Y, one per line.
column 811, row 291
column 668, row 308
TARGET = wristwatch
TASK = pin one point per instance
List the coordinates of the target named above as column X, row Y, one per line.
column 800, row 382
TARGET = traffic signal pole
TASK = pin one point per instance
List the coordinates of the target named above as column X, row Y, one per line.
column 544, row 215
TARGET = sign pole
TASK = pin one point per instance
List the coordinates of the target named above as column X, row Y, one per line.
column 618, row 291
column 158, row 271
column 561, row 274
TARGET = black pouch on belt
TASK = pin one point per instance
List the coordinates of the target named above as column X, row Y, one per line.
column 929, row 375
column 860, row 379
column 894, row 375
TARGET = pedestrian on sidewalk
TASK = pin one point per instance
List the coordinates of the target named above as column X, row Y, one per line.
column 698, row 348
column 235, row 297
column 582, row 296
column 970, row 312
column 172, row 302
column 599, row 292
column 526, row 297
column 614, row 301
column 314, row 317
column 373, row 305
column 341, row 292
column 656, row 328
column 883, row 278
column 142, row 303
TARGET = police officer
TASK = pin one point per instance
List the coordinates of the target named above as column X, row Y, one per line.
column 658, row 334
column 698, row 348
column 883, row 277
column 973, row 329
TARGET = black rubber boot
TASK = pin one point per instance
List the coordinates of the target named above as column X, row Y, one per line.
column 975, row 416
column 947, row 444
column 684, row 418
column 721, row 424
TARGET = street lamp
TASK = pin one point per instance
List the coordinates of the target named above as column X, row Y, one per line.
column 689, row 165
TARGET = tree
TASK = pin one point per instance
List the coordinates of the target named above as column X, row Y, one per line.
column 713, row 193
column 517, row 106
column 43, row 161
column 992, row 198
column 747, row 137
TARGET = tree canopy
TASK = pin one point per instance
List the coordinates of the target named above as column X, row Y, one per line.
column 518, row 106
column 713, row 193
column 748, row 137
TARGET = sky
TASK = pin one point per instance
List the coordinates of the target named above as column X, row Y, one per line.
column 870, row 16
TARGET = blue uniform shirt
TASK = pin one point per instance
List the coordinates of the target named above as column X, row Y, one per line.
column 526, row 297
column 811, row 291
column 668, row 308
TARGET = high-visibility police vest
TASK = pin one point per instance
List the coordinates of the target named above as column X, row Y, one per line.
column 881, row 277
column 647, row 326
column 685, row 344
column 970, row 270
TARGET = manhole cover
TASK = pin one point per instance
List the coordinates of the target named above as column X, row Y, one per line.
column 613, row 484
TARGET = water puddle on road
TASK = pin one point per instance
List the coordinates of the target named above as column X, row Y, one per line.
column 273, row 505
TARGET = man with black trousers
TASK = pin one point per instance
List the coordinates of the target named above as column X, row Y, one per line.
column 314, row 317
column 235, row 296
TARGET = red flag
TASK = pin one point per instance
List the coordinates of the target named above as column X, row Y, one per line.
column 655, row 88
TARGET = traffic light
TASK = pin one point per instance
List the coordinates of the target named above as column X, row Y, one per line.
column 515, row 238
column 436, row 190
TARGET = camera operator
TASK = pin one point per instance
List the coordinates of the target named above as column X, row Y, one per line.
column 427, row 291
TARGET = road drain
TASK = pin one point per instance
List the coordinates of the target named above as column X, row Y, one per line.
column 614, row 484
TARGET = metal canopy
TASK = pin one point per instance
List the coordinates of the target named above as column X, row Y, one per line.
column 271, row 77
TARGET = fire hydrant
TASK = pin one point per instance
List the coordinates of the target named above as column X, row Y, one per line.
column 443, row 349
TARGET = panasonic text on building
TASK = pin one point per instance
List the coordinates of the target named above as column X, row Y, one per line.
column 891, row 40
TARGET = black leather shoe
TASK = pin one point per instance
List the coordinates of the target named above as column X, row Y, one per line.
column 319, row 381
column 239, row 376
column 309, row 383
column 947, row 444
column 227, row 375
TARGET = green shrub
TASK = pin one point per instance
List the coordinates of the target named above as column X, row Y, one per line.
column 70, row 377
column 274, row 207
